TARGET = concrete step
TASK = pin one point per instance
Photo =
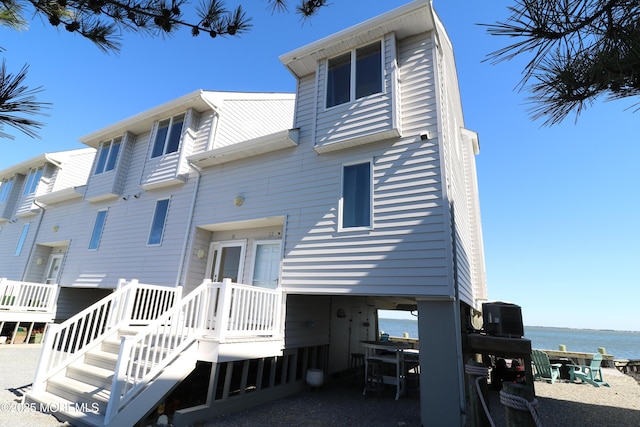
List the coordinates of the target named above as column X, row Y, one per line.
column 76, row 414
column 79, row 392
column 91, row 374
column 102, row 359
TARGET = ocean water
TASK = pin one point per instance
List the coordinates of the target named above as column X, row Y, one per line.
column 621, row 344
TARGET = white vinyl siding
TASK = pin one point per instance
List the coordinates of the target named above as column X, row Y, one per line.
column 363, row 120
column 158, row 221
column 113, row 157
column 98, row 227
column 170, row 167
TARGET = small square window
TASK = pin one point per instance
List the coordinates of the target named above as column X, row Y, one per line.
column 157, row 224
column 167, row 139
column 5, row 189
column 23, row 237
column 108, row 156
column 98, row 226
column 354, row 75
column 32, row 181
column 356, row 195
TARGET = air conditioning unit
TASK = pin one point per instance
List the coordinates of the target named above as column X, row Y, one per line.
column 502, row 319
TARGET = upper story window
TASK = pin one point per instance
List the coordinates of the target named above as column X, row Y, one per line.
column 354, row 75
column 167, row 138
column 108, row 155
column 98, row 226
column 157, row 224
column 32, row 181
column 5, row 189
column 23, row 237
column 356, row 196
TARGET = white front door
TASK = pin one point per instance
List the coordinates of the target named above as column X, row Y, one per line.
column 226, row 260
column 52, row 273
column 266, row 268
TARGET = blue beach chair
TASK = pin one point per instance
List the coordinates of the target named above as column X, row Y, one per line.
column 543, row 369
column 591, row 374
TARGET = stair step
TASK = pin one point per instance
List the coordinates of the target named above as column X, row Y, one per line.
column 79, row 392
column 77, row 414
column 91, row 374
column 102, row 359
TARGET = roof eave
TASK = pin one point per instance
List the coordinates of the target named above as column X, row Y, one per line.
column 413, row 18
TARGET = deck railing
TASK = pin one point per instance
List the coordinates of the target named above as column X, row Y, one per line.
column 27, row 296
column 131, row 303
column 229, row 309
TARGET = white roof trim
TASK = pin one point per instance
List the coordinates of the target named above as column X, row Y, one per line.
column 252, row 147
column 413, row 18
column 199, row 100
column 69, row 193
column 56, row 158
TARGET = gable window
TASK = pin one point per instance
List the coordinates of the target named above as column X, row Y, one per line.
column 167, row 138
column 23, row 237
column 356, row 196
column 108, row 155
column 354, row 75
column 5, row 189
column 32, row 181
column 157, row 225
column 98, row 226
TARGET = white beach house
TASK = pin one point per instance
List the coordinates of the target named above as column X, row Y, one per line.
column 259, row 233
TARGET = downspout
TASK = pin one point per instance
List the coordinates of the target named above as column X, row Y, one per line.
column 33, row 246
column 185, row 246
column 183, row 254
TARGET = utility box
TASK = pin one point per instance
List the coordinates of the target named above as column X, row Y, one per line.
column 502, row 319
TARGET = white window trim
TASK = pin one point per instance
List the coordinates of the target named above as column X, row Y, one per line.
column 341, row 201
column 22, row 239
column 223, row 243
column 164, row 224
column 101, row 230
column 106, row 162
column 6, row 193
column 166, row 138
column 352, row 89
column 32, row 182
column 256, row 243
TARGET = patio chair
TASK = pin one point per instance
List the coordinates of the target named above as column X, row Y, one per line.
column 591, row 374
column 543, row 369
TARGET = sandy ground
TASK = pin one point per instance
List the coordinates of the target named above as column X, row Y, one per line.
column 342, row 404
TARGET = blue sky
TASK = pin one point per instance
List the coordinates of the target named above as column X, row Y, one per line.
column 559, row 205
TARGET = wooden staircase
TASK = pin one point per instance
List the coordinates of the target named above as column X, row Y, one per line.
column 81, row 392
column 112, row 363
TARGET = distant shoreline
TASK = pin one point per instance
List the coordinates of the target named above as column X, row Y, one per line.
column 544, row 327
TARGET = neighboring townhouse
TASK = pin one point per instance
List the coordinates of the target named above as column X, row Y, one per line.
column 28, row 193
column 358, row 193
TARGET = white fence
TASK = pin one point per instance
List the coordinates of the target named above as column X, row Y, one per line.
column 131, row 303
column 229, row 309
column 18, row 296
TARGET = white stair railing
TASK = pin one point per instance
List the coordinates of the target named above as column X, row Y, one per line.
column 27, row 296
column 230, row 309
column 131, row 303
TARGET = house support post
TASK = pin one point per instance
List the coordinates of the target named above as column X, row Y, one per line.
column 441, row 369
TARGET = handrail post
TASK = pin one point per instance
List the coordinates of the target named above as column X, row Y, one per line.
column 119, row 374
column 45, row 354
column 129, row 300
column 222, row 321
